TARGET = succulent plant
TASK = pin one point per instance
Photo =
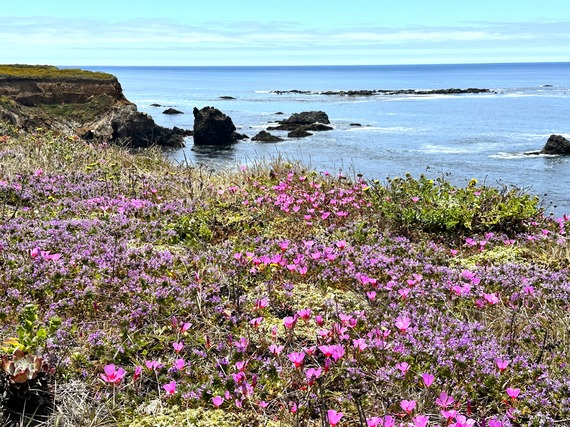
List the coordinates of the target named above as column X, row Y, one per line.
column 20, row 367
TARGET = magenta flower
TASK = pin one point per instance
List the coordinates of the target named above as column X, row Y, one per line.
column 359, row 344
column 389, row 421
column 113, row 375
column 449, row 415
column 334, row 417
column 289, row 322
column 338, row 352
column 495, row 423
column 256, row 322
column 492, row 299
column 312, row 374
column 170, row 388
column 179, row 364
column 374, row 422
column 137, row 373
column 371, row 295
column 403, row 367
column 296, row 358
column 403, row 323
column 513, row 392
column 178, row 346
column 217, row 401
column 444, row 401
column 420, row 421
column 502, row 364
column 427, row 379
column 305, row 314
column 327, row 350
column 153, row 365
column 408, row 405
column 276, row 349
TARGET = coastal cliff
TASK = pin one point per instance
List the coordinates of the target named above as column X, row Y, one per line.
column 90, row 105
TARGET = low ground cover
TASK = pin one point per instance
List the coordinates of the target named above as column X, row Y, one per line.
column 140, row 293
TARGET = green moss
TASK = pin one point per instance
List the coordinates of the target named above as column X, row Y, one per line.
column 50, row 72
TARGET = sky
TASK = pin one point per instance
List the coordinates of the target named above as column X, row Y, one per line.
column 291, row 32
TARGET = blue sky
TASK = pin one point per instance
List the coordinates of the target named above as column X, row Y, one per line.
column 291, row 32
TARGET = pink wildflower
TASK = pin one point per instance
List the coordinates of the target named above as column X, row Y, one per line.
column 374, row 422
column 403, row 323
column 178, row 346
column 305, row 314
column 113, row 375
column 371, row 295
column 513, row 392
column 179, row 364
column 137, row 373
column 170, row 388
column 334, row 417
column 492, row 299
column 289, row 322
column 296, row 358
column 359, row 344
column 408, row 405
column 502, row 364
column 427, row 379
column 404, row 367
column 444, row 401
column 420, row 421
column 275, row 349
column 217, row 401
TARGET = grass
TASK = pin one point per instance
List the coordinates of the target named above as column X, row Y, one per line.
column 48, row 72
column 197, row 285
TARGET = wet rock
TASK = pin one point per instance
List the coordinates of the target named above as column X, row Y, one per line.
column 299, row 133
column 171, row 111
column 264, row 136
column 556, row 144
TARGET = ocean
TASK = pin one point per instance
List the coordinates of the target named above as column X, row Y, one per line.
column 483, row 136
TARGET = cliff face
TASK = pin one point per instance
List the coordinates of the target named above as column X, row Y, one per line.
column 76, row 102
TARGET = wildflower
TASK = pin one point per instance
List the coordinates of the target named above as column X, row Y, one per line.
column 263, row 404
column 502, row 364
column 153, row 365
column 312, row 374
column 408, row 405
column 170, row 388
column 449, row 415
column 179, row 364
column 217, row 401
column 492, row 299
column 420, row 421
column 403, row 323
column 240, row 365
column 178, row 346
column 275, row 349
column 334, row 417
column 359, row 344
column 338, row 352
column 444, row 401
column 304, row 314
column 296, row 358
column 256, row 322
column 137, row 373
column 427, row 379
column 327, row 350
column 374, row 422
column 113, row 375
column 513, row 392
column 403, row 367
column 495, row 423
column 371, row 295
column 289, row 322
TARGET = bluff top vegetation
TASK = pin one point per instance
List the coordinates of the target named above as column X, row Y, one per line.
column 49, row 72
column 141, row 293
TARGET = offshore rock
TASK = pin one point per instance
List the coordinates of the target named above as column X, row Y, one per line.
column 307, row 120
column 172, row 111
column 556, row 144
column 212, row 127
column 299, row 133
column 82, row 103
column 264, row 136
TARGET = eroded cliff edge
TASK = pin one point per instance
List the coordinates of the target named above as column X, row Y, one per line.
column 86, row 104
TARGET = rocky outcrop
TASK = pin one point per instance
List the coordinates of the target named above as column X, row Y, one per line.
column 264, row 136
column 556, row 144
column 306, row 121
column 171, row 111
column 299, row 133
column 212, row 127
column 76, row 102
column 367, row 92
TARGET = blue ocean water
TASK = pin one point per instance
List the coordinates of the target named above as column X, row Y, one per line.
column 482, row 136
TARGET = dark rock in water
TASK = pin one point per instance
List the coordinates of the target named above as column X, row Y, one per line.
column 355, row 124
column 155, row 105
column 556, row 144
column 212, row 127
column 299, row 133
column 317, row 127
column 172, row 111
column 307, row 118
column 226, row 97
column 240, row 136
column 183, row 132
column 279, row 113
column 264, row 136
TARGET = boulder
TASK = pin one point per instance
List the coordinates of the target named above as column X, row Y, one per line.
column 212, row 127
column 227, row 97
column 264, row 136
column 172, row 111
column 307, row 118
column 299, row 133
column 556, row 144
